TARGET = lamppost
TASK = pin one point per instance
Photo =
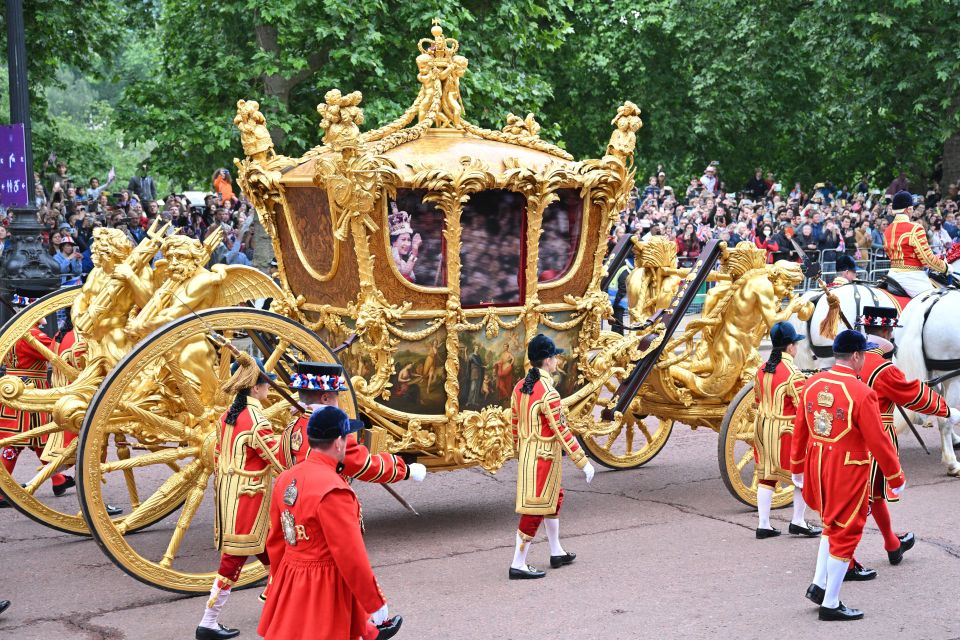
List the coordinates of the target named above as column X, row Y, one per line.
column 26, row 268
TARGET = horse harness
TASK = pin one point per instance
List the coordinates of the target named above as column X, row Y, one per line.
column 826, row 351
column 933, row 363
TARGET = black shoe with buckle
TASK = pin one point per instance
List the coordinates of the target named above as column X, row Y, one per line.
column 113, row 511
column 859, row 573
column 763, row 534
column 530, row 573
column 907, row 541
column 808, row 531
column 840, row 613
column 4, row 504
column 389, row 628
column 558, row 561
column 815, row 594
column 68, row 483
column 220, row 633
column 4, row 605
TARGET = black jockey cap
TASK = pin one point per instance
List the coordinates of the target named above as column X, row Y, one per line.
column 879, row 317
column 845, row 263
column 902, row 200
column 783, row 335
column 849, row 341
column 541, row 348
column 330, row 423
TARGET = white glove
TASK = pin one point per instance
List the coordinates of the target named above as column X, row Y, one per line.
column 417, row 471
column 797, row 480
column 954, row 415
column 898, row 490
column 380, row 615
column 588, row 471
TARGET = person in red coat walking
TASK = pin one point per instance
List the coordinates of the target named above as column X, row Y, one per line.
column 319, row 384
column 837, row 434
column 893, row 388
column 248, row 455
column 321, row 582
column 27, row 361
column 541, row 436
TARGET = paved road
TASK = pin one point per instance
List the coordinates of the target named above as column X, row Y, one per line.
column 664, row 552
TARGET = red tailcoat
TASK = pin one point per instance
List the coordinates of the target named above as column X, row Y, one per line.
column 358, row 463
column 26, row 363
column 321, row 583
column 892, row 389
column 73, row 352
column 905, row 243
column 540, row 436
column 836, row 436
column 248, row 458
column 777, row 395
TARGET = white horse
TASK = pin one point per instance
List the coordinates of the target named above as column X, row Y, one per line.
column 816, row 351
column 940, row 339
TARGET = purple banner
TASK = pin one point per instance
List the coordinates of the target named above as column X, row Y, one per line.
column 13, row 167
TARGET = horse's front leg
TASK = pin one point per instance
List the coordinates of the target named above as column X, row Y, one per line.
column 947, row 440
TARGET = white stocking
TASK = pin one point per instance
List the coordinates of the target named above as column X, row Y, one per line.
column 799, row 508
column 520, row 554
column 823, row 554
column 553, row 536
column 211, row 615
column 836, row 570
column 764, row 503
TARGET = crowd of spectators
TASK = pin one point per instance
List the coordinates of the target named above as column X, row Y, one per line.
column 825, row 220
column 70, row 209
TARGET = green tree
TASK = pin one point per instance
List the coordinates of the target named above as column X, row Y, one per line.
column 288, row 53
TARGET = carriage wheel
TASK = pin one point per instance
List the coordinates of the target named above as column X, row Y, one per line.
column 171, row 428
column 634, row 442
column 738, row 467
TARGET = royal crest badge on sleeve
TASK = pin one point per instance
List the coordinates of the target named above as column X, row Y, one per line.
column 290, row 494
column 289, row 525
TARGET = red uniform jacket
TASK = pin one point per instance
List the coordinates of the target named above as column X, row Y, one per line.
column 540, row 436
column 358, row 463
column 29, row 365
column 73, row 352
column 321, row 583
column 906, row 245
column 248, row 458
column 836, row 436
column 777, row 395
column 892, row 389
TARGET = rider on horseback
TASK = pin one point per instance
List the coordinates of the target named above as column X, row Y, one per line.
column 846, row 271
column 905, row 243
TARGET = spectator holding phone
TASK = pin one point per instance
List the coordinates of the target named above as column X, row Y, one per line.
column 223, row 185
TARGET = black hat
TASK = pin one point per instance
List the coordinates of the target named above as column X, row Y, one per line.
column 319, row 376
column 850, row 341
column 783, row 334
column 330, row 423
column 263, row 372
column 902, row 200
column 845, row 263
column 879, row 317
column 541, row 348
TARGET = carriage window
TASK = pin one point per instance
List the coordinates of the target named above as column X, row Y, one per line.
column 490, row 248
column 416, row 238
column 561, row 235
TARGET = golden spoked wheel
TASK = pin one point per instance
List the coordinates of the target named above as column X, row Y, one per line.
column 738, row 467
column 163, row 400
column 37, row 501
column 632, row 443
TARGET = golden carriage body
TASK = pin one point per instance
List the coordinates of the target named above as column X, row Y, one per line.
column 512, row 237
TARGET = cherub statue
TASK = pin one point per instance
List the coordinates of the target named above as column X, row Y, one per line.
column 341, row 116
column 624, row 138
column 451, row 104
column 735, row 317
column 254, row 135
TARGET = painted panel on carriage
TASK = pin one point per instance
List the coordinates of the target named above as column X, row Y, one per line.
column 490, row 367
column 418, row 372
column 416, row 238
